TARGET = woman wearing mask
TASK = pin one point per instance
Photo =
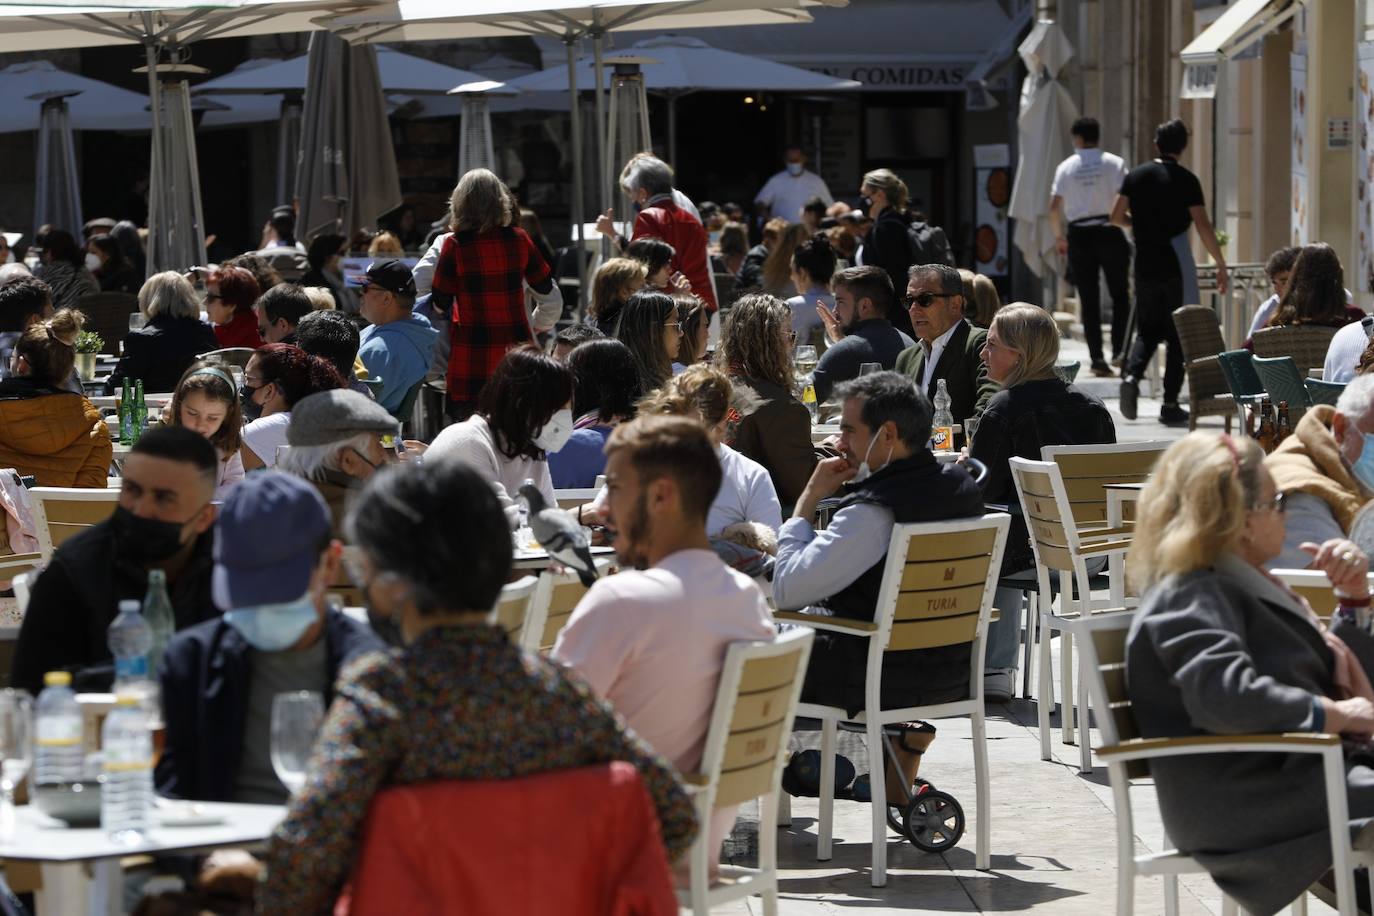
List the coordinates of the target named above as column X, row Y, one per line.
column 884, row 199
column 525, row 413
column 64, row 269
column 105, row 259
column 229, row 296
column 276, row 377
column 651, row 329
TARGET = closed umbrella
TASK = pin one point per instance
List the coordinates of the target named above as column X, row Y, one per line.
column 347, row 176
column 1047, row 113
column 57, row 191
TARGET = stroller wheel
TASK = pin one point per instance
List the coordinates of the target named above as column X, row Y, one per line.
column 895, row 807
column 934, row 821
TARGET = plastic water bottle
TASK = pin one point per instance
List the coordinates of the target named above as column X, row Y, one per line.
column 58, row 755
column 130, row 639
column 523, row 535
column 942, row 423
column 157, row 612
column 126, row 798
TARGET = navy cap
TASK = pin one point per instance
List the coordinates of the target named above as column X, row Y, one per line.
column 267, row 540
column 391, row 275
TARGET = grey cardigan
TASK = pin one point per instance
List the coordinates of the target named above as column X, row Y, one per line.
column 1227, row 651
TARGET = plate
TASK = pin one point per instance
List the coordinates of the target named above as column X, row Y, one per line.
column 186, row 815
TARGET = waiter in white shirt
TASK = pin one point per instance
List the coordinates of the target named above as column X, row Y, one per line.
column 1085, row 186
column 788, row 191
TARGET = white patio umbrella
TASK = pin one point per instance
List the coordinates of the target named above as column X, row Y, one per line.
column 1047, row 112
column 57, row 187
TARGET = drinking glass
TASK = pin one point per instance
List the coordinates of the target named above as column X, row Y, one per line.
column 296, row 719
column 869, row 368
column 137, row 320
column 16, row 750
column 970, row 427
column 804, row 360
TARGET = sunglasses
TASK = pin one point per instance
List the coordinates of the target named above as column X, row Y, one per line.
column 924, row 300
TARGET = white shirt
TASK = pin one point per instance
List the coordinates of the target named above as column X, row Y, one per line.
column 471, row 442
column 423, row 272
column 746, row 494
column 785, row 194
column 1343, row 355
column 933, row 354
column 813, row 565
column 1088, row 181
column 267, row 434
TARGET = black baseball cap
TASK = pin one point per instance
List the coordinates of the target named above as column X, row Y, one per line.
column 391, row 275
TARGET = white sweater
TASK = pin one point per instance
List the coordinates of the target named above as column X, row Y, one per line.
column 471, row 442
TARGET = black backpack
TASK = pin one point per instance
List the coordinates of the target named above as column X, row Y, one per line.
column 928, row 244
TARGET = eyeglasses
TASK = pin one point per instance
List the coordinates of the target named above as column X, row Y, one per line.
column 792, row 336
column 673, row 324
column 1277, row 504
column 925, row 299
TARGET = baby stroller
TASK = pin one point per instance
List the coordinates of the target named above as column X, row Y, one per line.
column 932, row 820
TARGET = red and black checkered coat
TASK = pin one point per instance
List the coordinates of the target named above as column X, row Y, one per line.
column 485, row 272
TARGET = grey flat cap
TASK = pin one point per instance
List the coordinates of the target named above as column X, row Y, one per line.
column 332, row 416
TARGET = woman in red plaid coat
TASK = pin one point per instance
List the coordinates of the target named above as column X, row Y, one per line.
column 484, row 266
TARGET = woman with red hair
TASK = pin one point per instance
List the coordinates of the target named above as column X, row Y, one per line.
column 229, row 296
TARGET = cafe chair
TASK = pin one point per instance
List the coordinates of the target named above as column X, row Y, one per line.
column 1127, row 755
column 513, row 607
column 229, row 356
column 571, row 498
column 1305, row 344
column 60, row 512
column 746, row 749
column 1283, row 379
column 1313, row 585
column 1323, row 392
column 1238, row 366
column 1199, row 335
column 555, row 597
column 937, row 589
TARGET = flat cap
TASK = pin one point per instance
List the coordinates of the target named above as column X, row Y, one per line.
column 333, row 416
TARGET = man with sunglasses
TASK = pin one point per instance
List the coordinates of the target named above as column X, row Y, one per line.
column 948, row 346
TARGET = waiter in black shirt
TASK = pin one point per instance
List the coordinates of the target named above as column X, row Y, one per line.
column 1159, row 201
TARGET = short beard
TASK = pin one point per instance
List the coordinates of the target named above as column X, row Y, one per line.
column 629, row 548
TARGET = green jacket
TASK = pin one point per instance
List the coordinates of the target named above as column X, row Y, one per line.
column 966, row 378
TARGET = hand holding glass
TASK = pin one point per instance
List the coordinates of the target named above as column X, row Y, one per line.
column 296, row 720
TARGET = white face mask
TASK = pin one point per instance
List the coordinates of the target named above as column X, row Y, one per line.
column 794, row 168
column 555, row 434
column 864, row 472
column 92, row 261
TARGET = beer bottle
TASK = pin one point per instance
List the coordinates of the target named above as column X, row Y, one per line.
column 126, row 414
column 1285, row 428
column 1268, row 431
column 140, row 411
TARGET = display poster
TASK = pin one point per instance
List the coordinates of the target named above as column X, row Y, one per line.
column 992, row 191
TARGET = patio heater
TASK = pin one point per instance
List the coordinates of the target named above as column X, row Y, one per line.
column 475, row 147
column 288, row 144
column 176, row 227
column 57, row 187
column 627, row 123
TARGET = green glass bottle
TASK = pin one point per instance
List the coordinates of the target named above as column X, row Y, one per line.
column 126, row 414
column 140, row 414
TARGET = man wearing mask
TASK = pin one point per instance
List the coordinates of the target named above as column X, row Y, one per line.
column 273, row 562
column 885, row 476
column 788, row 191
column 1325, row 471
column 338, row 440
column 163, row 521
column 858, row 329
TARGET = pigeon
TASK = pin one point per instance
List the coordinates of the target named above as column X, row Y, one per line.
column 563, row 538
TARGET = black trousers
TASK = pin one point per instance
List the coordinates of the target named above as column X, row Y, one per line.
column 1094, row 248
column 1155, row 301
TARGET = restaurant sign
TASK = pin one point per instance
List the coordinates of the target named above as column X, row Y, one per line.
column 892, row 77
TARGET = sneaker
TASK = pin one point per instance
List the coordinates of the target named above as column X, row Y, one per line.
column 1172, row 415
column 1118, row 361
column 1101, row 369
column 1130, row 391
column 998, row 684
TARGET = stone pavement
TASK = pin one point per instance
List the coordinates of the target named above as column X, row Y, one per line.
column 1053, row 830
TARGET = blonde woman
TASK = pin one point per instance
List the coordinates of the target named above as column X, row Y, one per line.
column 1219, row 647
column 778, row 279
column 484, row 265
column 981, row 299
column 171, row 339
column 888, row 245
column 1035, row 408
column 768, row 423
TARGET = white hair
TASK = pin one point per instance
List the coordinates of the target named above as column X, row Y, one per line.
column 648, row 172
column 311, row 461
column 9, row 271
column 170, row 294
column 1357, row 400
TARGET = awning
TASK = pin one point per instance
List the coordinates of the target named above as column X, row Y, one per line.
column 994, row 58
column 1244, row 23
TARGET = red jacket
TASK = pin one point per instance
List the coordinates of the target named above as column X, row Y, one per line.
column 665, row 220
column 241, row 331
column 579, row 842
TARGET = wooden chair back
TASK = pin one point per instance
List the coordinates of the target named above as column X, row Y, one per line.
column 107, row 314
column 555, row 598
column 512, row 609
column 942, row 584
column 60, row 512
column 1087, row 469
column 1104, row 662
column 1049, row 520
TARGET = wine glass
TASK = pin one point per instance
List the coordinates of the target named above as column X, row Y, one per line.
column 16, row 750
column 804, row 360
column 137, row 320
column 296, row 719
column 869, row 368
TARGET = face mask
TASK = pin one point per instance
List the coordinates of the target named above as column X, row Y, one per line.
column 554, row 434
column 864, row 472
column 92, row 262
column 865, row 203
column 144, row 540
column 1364, row 467
column 251, row 409
column 384, row 625
column 794, row 168
column 274, row 627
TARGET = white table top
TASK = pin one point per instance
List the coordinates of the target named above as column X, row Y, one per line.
column 538, row 559
column 39, row 838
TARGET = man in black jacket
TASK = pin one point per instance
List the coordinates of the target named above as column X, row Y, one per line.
column 858, row 328
column 163, row 521
column 274, row 560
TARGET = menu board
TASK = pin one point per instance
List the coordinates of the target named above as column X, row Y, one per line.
column 992, row 193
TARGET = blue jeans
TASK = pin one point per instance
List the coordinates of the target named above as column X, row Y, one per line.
column 1004, row 635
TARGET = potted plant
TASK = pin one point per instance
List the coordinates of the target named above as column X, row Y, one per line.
column 88, row 344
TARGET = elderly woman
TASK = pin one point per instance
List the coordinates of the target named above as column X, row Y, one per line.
column 1219, row 647
column 229, row 296
column 1035, row 408
column 768, row 423
column 162, row 350
column 457, row 701
column 484, row 265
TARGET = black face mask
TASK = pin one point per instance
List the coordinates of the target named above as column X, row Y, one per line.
column 142, row 541
column 251, row 409
column 385, row 627
column 865, row 203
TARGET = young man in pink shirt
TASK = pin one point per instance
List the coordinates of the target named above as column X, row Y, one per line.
column 652, row 640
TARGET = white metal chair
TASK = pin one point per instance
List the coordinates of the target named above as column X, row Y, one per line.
column 1313, row 585
column 512, row 609
column 1127, row 755
column 555, row 597
column 1059, row 546
column 937, row 591
column 746, row 747
column 60, row 512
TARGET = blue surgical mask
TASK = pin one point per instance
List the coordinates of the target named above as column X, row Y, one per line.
column 794, row 168
column 274, row 627
column 1363, row 469
column 864, row 472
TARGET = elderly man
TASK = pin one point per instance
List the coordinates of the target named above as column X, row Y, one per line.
column 859, row 329
column 399, row 346
column 338, row 440
column 1325, row 471
column 949, row 346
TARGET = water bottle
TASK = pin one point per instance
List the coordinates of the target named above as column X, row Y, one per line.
column 126, row 798
column 157, row 613
column 58, row 755
column 522, row 532
column 942, row 423
column 130, row 639
column 126, row 413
